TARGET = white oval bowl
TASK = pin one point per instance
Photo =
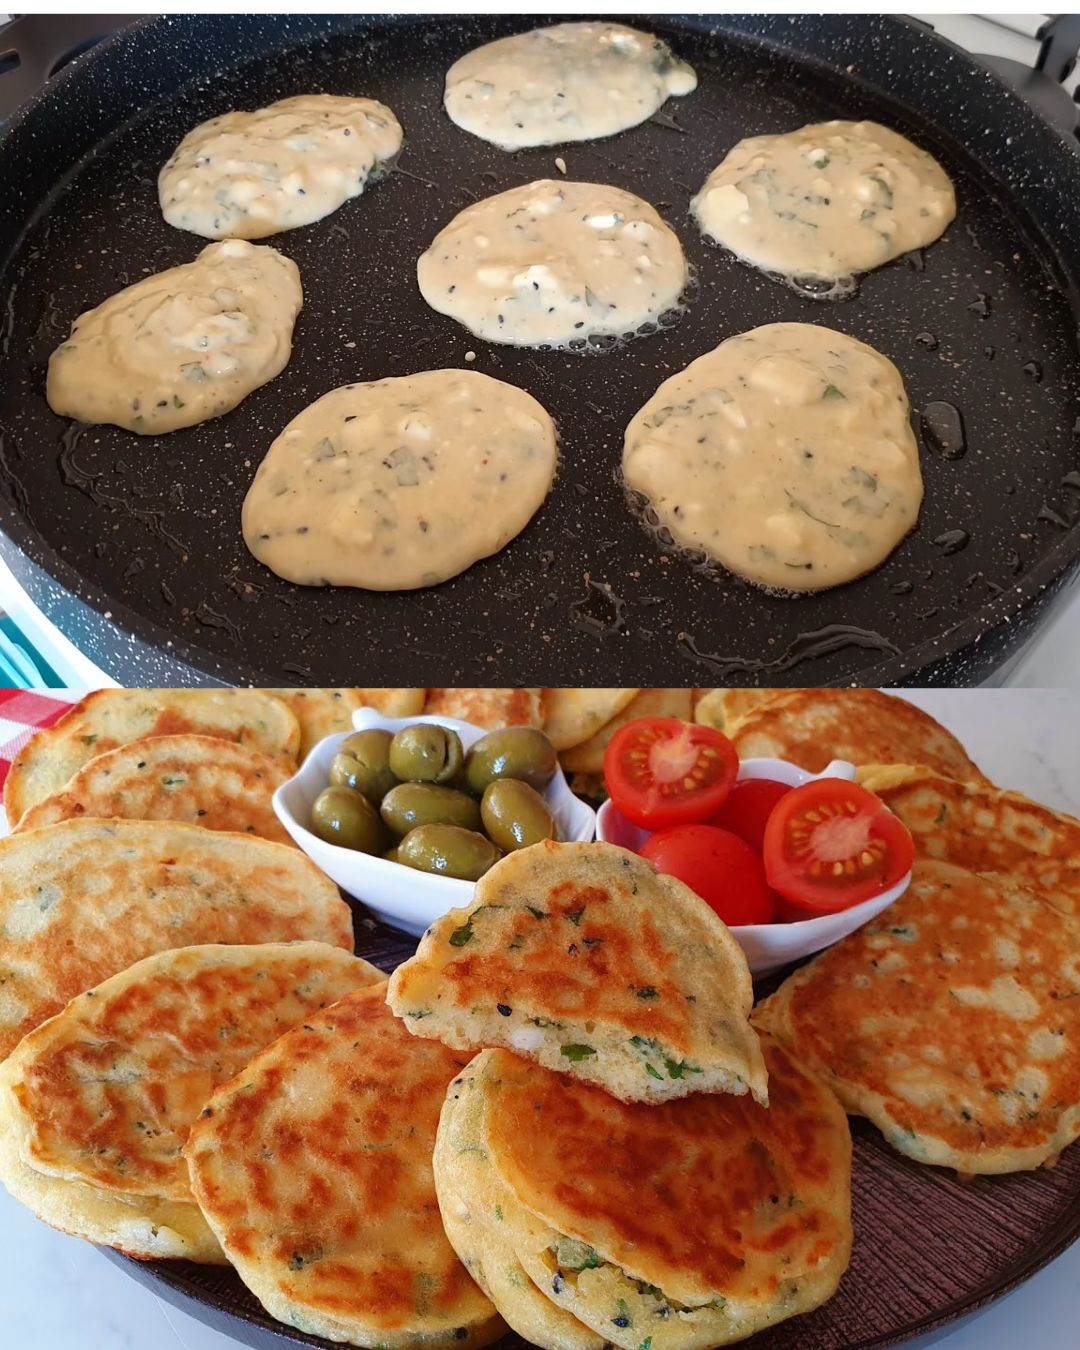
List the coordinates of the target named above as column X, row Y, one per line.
column 768, row 946
column 400, row 895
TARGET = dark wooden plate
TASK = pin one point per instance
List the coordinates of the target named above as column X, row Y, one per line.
column 928, row 1248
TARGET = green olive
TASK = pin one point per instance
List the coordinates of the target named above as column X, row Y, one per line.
column 516, row 752
column 515, row 815
column 425, row 753
column 342, row 816
column 411, row 804
column 363, row 764
column 391, row 855
column 448, row 851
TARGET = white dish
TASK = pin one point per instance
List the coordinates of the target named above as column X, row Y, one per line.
column 768, row 946
column 400, row 895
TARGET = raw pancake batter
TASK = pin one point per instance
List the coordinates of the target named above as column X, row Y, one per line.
column 570, row 82
column 785, row 453
column 400, row 483
column 826, row 201
column 181, row 346
column 245, row 175
column 552, row 261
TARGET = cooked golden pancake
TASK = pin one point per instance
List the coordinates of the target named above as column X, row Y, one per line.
column 810, row 727
column 725, row 708
column 693, row 1223
column 96, row 1103
column 201, row 779
column 952, row 1021
column 485, row 1224
column 985, row 829
column 321, row 712
column 589, row 756
column 84, row 899
column 488, row 708
column 112, row 717
column 313, row 1168
column 573, row 715
column 582, row 957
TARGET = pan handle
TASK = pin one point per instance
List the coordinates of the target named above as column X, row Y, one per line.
column 34, row 47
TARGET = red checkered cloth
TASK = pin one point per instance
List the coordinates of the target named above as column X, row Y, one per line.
column 23, row 712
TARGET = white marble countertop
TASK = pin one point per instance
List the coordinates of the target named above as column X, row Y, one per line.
column 58, row 1293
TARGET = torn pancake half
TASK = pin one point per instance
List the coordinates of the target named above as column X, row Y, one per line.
column 583, row 958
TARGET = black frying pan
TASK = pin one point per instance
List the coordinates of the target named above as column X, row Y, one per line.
column 147, row 531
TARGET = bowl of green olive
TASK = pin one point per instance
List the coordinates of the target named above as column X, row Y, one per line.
column 407, row 814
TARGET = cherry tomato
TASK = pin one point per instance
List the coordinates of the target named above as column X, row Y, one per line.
column 723, row 869
column 748, row 808
column 661, row 771
column 831, row 844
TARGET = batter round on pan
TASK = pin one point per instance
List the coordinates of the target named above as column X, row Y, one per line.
column 245, row 175
column 400, row 483
column 181, row 346
column 826, row 201
column 549, row 262
column 569, row 82
column 785, row 454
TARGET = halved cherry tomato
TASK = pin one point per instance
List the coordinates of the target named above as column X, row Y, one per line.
column 723, row 869
column 747, row 810
column 831, row 844
column 660, row 771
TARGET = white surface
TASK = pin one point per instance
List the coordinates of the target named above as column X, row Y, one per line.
column 768, row 946
column 57, row 1293
column 407, row 899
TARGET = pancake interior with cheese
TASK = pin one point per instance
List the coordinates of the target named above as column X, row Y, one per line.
column 199, row 779
column 810, row 727
column 113, row 717
column 952, row 1021
column 985, row 829
column 84, row 899
column 313, row 1167
column 582, row 957
column 693, row 1223
column 96, row 1103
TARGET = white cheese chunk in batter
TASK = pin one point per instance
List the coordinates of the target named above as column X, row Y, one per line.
column 570, row 82
column 786, row 454
column 246, row 175
column 826, row 201
column 400, row 483
column 553, row 261
column 180, row 346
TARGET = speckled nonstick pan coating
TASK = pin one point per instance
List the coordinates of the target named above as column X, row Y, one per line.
column 148, row 530
column 928, row 1248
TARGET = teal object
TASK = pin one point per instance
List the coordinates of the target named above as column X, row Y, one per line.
column 21, row 667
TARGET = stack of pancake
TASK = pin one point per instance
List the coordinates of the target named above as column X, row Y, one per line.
column 563, row 1115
